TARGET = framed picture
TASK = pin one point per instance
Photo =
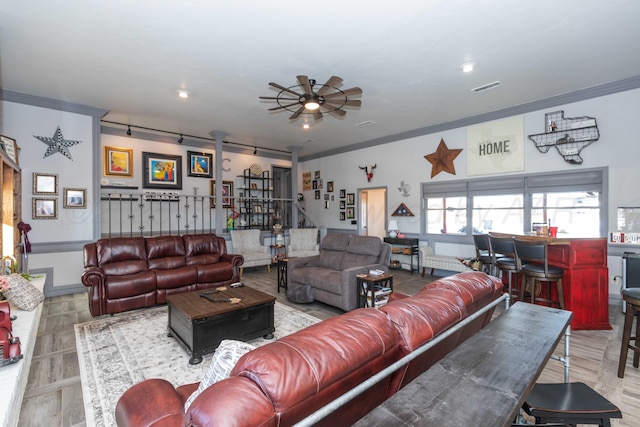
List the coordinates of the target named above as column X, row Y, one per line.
column 351, row 213
column 243, row 210
column 351, row 199
column 118, row 161
column 326, row 204
column 342, row 216
column 343, row 193
column 200, row 164
column 227, row 193
column 317, row 194
column 257, row 209
column 326, row 196
column 74, row 198
column 162, row 171
column 45, row 184
column 329, row 186
column 10, row 147
column 45, row 208
column 315, row 184
column 342, row 204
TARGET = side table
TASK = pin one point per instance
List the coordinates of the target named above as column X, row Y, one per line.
column 282, row 273
column 373, row 291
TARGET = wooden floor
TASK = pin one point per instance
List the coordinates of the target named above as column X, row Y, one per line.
column 54, row 394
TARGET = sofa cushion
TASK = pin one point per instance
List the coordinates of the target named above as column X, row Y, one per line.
column 475, row 288
column 224, row 359
column 201, row 249
column 22, row 294
column 121, row 255
column 332, row 251
column 165, row 252
column 362, row 250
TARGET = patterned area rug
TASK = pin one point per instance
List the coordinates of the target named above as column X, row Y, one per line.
column 117, row 352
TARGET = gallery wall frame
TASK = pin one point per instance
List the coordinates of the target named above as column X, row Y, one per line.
column 44, row 208
column 199, row 164
column 351, row 199
column 10, row 147
column 45, row 184
column 74, row 198
column 351, row 213
column 118, row 161
column 227, row 193
column 161, row 171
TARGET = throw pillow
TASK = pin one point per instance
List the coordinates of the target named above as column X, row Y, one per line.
column 224, row 359
column 23, row 294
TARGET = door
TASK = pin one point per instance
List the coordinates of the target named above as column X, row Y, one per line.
column 373, row 205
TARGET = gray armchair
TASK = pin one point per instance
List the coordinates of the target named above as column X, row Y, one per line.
column 248, row 244
column 303, row 242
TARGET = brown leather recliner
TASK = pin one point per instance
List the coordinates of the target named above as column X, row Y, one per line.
column 127, row 273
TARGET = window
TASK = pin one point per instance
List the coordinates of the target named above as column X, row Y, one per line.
column 572, row 201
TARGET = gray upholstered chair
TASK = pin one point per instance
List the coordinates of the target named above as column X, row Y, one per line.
column 248, row 244
column 303, row 242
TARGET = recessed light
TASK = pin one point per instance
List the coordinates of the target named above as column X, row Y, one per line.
column 183, row 93
column 306, row 126
column 468, row 67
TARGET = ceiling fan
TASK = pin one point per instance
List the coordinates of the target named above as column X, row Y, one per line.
column 308, row 98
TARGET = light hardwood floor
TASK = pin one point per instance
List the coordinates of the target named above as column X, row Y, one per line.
column 54, row 393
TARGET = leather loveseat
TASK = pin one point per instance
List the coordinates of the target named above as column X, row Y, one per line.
column 282, row 382
column 127, row 273
column 330, row 277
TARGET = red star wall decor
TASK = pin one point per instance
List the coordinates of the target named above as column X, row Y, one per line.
column 442, row 159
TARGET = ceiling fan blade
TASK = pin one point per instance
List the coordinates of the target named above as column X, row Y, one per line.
column 304, row 82
column 333, row 82
column 346, row 92
column 317, row 115
column 278, row 98
column 341, row 102
column 283, row 106
column 297, row 113
column 284, row 89
column 338, row 112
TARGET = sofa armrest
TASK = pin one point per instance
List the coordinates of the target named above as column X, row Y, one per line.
column 235, row 260
column 93, row 278
column 153, row 402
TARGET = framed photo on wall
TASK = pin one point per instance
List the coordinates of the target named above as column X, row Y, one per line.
column 118, row 161
column 351, row 199
column 44, row 208
column 74, row 198
column 162, row 171
column 227, row 193
column 200, row 164
column 10, row 147
column 45, row 184
column 351, row 213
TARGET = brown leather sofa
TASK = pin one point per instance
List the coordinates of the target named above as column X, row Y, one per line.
column 126, row 273
column 282, row 382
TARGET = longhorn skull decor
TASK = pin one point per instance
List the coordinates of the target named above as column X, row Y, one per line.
column 368, row 170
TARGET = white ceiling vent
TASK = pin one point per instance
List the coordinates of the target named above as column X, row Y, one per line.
column 486, row 87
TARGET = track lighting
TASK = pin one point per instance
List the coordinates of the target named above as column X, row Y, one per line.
column 129, row 130
column 255, row 151
column 181, row 139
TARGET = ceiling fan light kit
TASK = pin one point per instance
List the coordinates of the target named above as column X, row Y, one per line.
column 327, row 98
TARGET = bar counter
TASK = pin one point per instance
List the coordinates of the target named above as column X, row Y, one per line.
column 585, row 282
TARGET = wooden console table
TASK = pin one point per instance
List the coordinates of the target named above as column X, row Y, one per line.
column 585, row 281
column 485, row 380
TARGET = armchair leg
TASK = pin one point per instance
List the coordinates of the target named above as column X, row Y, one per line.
column 241, row 271
column 269, row 268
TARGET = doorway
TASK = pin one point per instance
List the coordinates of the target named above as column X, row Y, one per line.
column 282, row 194
column 373, row 208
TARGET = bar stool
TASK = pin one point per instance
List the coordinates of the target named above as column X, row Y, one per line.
column 632, row 297
column 484, row 253
column 506, row 263
column 571, row 403
column 532, row 261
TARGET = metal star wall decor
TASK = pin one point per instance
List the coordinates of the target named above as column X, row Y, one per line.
column 442, row 159
column 57, row 144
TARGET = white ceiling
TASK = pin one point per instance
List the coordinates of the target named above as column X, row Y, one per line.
column 131, row 57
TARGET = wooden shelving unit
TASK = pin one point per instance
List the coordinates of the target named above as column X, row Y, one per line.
column 11, row 200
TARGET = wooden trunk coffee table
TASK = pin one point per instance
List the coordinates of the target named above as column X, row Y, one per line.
column 200, row 325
